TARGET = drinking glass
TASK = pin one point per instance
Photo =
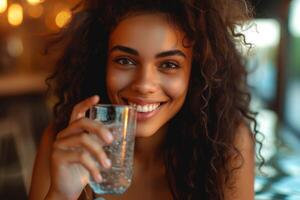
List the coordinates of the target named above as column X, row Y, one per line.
column 121, row 121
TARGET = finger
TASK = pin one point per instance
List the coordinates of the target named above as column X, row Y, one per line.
column 81, row 157
column 80, row 109
column 89, row 126
column 85, row 141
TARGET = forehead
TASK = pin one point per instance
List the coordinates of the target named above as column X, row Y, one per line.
column 147, row 32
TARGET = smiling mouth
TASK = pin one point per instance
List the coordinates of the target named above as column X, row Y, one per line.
column 143, row 107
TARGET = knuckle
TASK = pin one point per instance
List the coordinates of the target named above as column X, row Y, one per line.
column 97, row 128
column 78, row 123
column 83, row 156
column 98, row 149
column 102, row 129
column 82, row 121
column 95, row 170
column 102, row 158
column 84, row 138
column 76, row 108
column 101, row 153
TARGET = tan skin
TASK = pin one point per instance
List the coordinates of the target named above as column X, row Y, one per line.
column 147, row 64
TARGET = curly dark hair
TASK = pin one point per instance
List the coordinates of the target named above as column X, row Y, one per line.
column 200, row 144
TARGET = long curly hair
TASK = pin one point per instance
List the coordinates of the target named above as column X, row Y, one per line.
column 200, row 142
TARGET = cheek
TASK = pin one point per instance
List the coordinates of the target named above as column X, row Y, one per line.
column 175, row 87
column 116, row 81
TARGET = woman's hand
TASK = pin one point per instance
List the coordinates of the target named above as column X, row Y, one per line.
column 75, row 153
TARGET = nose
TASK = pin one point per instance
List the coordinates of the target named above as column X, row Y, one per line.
column 146, row 80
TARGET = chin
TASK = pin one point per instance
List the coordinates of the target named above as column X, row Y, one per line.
column 143, row 134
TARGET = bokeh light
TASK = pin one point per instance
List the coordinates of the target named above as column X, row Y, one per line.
column 34, row 2
column 62, row 18
column 15, row 14
column 35, row 11
column 259, row 35
column 15, row 46
column 3, row 6
column 294, row 25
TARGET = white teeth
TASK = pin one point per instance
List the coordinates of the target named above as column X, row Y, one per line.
column 138, row 107
column 144, row 108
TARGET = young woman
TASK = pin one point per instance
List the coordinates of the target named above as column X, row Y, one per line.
column 176, row 61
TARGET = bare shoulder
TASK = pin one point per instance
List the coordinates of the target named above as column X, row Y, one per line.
column 40, row 181
column 244, row 140
column 243, row 177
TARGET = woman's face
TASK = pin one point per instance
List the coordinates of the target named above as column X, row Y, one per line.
column 149, row 68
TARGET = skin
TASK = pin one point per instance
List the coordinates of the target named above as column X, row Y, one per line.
column 147, row 74
column 147, row 64
column 141, row 73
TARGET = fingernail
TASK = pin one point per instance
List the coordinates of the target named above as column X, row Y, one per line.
column 109, row 137
column 107, row 163
column 99, row 178
column 95, row 98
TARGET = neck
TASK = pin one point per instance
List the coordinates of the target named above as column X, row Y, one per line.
column 149, row 151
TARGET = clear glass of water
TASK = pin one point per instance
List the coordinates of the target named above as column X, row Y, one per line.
column 121, row 121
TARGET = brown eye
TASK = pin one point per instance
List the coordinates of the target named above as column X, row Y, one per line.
column 169, row 66
column 124, row 61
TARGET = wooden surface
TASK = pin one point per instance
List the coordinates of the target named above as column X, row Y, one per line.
column 20, row 84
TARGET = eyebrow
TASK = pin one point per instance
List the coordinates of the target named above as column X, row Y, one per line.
column 134, row 52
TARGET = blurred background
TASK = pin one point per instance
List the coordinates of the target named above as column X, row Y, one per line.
column 25, row 111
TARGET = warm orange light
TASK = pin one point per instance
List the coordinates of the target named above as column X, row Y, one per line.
column 62, row 18
column 3, row 6
column 35, row 11
column 15, row 14
column 15, row 46
column 34, row 2
column 50, row 22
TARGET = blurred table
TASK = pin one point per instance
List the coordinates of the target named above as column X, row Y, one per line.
column 20, row 84
column 23, row 116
